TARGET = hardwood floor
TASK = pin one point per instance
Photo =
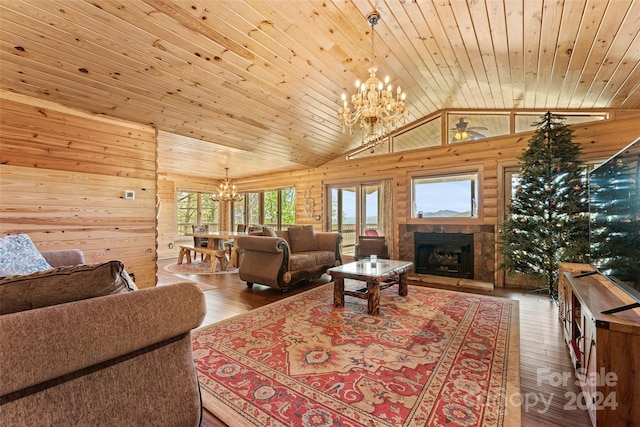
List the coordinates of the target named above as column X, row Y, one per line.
column 544, row 359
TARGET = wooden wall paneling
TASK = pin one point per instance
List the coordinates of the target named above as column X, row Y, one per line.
column 166, row 218
column 597, row 139
column 71, row 195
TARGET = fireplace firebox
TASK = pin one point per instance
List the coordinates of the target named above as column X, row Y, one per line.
column 444, row 254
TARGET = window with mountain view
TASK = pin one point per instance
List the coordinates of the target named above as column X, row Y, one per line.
column 445, row 196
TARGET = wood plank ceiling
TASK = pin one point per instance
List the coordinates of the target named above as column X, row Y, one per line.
column 255, row 85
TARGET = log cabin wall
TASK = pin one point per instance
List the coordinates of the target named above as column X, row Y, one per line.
column 599, row 140
column 64, row 172
column 63, row 175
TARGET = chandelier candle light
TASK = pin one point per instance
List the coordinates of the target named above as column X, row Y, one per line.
column 378, row 111
column 227, row 191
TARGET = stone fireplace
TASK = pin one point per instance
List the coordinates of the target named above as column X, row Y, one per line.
column 460, row 251
column 444, row 254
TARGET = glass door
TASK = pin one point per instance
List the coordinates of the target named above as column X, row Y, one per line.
column 356, row 210
column 371, row 210
column 342, row 217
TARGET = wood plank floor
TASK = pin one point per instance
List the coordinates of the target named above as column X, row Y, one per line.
column 543, row 354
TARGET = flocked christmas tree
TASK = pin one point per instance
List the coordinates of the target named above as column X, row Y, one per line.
column 547, row 220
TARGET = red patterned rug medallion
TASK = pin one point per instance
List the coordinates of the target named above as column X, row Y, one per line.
column 433, row 358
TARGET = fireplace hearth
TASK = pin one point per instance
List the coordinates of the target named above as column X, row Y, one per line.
column 444, row 254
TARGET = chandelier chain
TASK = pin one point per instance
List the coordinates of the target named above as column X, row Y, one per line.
column 374, row 106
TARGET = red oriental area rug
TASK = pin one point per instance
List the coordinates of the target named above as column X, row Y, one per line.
column 432, row 358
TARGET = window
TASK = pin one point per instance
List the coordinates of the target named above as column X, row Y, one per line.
column 252, row 208
column 428, row 134
column 445, row 196
column 239, row 213
column 194, row 208
column 273, row 208
column 471, row 127
column 525, row 121
column 287, row 207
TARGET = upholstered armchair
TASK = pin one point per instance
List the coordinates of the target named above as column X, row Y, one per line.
column 371, row 245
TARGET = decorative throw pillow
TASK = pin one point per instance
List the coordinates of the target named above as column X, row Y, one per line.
column 303, row 238
column 18, row 255
column 63, row 284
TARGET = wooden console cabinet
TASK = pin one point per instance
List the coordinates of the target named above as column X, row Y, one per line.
column 604, row 348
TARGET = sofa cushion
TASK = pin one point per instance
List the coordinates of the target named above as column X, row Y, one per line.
column 61, row 285
column 303, row 238
column 324, row 258
column 18, row 255
column 311, row 260
column 302, row 261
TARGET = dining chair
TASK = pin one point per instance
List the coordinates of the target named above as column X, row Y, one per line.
column 229, row 243
column 371, row 232
column 200, row 242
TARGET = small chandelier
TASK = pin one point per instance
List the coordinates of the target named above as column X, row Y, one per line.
column 227, row 191
column 375, row 106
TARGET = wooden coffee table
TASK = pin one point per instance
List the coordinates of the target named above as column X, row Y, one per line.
column 378, row 275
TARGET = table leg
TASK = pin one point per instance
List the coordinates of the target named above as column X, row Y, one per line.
column 403, row 289
column 215, row 243
column 184, row 252
column 221, row 256
column 373, row 300
column 338, row 291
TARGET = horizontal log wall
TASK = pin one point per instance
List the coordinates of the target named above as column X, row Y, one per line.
column 63, row 175
column 64, row 172
column 598, row 140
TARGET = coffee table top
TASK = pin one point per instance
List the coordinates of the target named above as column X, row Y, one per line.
column 366, row 268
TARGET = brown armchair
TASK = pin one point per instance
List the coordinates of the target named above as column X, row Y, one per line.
column 371, row 245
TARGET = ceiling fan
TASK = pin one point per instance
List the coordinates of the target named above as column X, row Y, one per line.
column 463, row 132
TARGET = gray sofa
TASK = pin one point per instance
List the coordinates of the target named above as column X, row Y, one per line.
column 290, row 257
column 81, row 346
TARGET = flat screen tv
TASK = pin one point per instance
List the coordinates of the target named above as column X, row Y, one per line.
column 614, row 221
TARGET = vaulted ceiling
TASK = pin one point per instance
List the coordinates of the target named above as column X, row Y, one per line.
column 254, row 85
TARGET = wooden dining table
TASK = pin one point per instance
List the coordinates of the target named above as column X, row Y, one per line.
column 216, row 239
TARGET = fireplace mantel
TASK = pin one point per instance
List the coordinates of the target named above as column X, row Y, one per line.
column 483, row 252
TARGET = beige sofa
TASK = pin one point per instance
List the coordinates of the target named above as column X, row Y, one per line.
column 80, row 346
column 289, row 257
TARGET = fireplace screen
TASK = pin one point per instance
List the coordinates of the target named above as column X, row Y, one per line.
column 444, row 254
